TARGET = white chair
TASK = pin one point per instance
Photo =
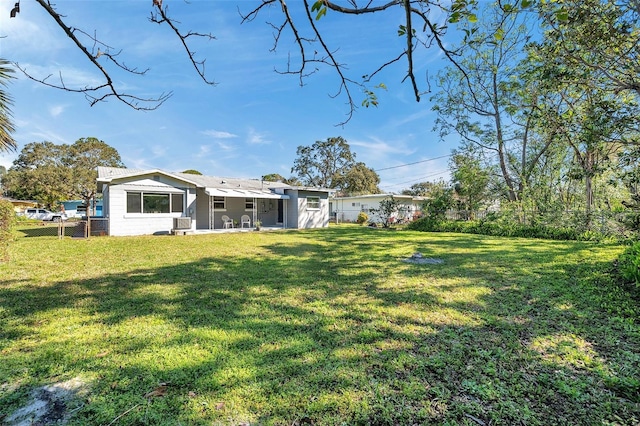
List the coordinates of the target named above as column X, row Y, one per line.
column 245, row 220
column 226, row 222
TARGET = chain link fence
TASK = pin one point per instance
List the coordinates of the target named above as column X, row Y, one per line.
column 96, row 226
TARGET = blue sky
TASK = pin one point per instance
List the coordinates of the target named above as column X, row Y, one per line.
column 252, row 121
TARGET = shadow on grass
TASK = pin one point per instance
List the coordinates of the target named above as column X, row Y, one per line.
column 332, row 328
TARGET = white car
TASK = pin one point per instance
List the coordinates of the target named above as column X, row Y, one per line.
column 42, row 214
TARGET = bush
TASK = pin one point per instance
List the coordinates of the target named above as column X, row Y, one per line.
column 629, row 264
column 499, row 227
column 7, row 221
column 362, row 218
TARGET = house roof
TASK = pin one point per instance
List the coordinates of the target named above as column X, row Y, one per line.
column 213, row 185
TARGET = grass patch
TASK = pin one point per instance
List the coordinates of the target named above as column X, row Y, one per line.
column 321, row 327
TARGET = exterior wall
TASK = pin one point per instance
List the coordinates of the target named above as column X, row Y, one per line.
column 202, row 209
column 122, row 223
column 348, row 208
column 292, row 209
column 312, row 218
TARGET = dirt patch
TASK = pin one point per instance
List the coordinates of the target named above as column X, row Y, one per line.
column 53, row 404
column 419, row 259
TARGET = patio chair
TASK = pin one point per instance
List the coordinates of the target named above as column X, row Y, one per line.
column 227, row 222
column 245, row 220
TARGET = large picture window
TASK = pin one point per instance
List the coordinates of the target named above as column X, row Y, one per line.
column 154, row 203
column 313, row 203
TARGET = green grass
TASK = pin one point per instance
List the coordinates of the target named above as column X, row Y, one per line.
column 323, row 327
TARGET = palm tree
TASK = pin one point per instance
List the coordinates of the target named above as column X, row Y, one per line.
column 7, row 143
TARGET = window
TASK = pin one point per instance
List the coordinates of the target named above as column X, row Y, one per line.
column 134, row 202
column 313, row 203
column 355, row 204
column 155, row 203
column 248, row 203
column 177, row 203
column 152, row 203
column 219, row 203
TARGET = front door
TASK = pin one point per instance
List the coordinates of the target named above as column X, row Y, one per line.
column 280, row 211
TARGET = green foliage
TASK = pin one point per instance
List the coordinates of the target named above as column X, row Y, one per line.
column 359, row 180
column 322, row 164
column 494, row 226
column 51, row 173
column 7, row 222
column 371, row 98
column 362, row 218
column 439, row 200
column 192, row 172
column 7, row 142
column 320, row 8
column 387, row 209
column 629, row 264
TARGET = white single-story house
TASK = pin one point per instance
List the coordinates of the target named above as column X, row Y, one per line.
column 346, row 209
column 143, row 202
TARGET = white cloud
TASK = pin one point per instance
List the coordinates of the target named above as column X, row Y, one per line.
column 217, row 134
column 56, row 110
column 255, row 138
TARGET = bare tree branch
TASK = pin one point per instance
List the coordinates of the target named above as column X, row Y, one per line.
column 101, row 92
column 161, row 17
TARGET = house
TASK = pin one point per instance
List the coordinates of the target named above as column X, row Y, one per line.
column 139, row 202
column 77, row 208
column 346, row 209
column 20, row 206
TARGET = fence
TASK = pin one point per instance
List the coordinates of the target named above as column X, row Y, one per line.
column 72, row 228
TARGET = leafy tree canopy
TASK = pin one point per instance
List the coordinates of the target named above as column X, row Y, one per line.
column 50, row 173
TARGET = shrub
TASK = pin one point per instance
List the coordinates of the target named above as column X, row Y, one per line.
column 499, row 227
column 362, row 218
column 7, row 221
column 629, row 264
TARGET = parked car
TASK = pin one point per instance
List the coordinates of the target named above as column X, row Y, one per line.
column 43, row 214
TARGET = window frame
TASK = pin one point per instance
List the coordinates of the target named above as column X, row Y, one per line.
column 249, row 204
column 315, row 204
column 139, row 209
column 217, row 199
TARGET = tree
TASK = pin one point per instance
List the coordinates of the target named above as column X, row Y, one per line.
column 83, row 158
column 51, row 173
column 6, row 126
column 439, row 200
column 324, row 163
column 359, row 180
column 192, row 172
column 470, row 179
column 601, row 36
column 277, row 177
column 418, row 24
column 39, row 174
column 388, row 207
column 483, row 99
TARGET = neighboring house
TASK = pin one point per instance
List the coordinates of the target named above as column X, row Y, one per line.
column 20, row 206
column 346, row 209
column 139, row 202
column 77, row 208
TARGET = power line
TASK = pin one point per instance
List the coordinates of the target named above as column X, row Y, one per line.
column 411, row 164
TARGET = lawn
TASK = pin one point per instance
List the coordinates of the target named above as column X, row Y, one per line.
column 320, row 327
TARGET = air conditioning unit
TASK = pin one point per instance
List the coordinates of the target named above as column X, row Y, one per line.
column 181, row 223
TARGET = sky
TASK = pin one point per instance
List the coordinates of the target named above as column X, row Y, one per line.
column 247, row 125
